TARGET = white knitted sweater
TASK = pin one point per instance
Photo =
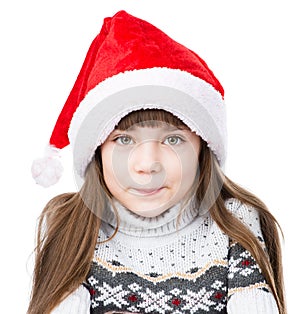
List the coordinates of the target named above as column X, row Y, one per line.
column 154, row 265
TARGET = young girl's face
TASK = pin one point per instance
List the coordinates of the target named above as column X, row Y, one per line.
column 150, row 169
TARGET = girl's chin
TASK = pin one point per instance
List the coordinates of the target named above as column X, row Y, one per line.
column 148, row 212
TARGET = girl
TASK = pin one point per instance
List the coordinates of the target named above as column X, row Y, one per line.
column 156, row 226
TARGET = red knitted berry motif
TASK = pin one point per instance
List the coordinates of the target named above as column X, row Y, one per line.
column 218, row 295
column 246, row 262
column 176, row 302
column 132, row 298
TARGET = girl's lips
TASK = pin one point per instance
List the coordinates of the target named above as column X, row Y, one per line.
column 147, row 191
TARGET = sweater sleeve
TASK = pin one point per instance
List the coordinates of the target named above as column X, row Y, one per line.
column 248, row 291
column 76, row 303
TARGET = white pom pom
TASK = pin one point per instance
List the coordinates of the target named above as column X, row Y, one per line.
column 47, row 171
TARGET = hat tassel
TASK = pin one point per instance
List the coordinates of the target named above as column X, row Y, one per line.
column 47, row 170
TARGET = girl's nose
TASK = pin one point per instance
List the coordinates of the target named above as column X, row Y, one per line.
column 145, row 158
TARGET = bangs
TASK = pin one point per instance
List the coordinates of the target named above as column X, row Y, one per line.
column 149, row 118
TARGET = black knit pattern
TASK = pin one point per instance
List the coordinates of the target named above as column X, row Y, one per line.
column 197, row 291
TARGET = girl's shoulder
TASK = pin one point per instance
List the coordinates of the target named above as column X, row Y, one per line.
column 246, row 213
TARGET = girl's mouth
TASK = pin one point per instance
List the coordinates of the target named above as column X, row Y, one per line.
column 146, row 192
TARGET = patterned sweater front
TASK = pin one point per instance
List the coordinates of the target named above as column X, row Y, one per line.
column 165, row 265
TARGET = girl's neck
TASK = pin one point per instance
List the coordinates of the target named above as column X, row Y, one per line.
column 172, row 220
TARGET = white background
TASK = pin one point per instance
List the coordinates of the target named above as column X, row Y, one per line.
column 253, row 48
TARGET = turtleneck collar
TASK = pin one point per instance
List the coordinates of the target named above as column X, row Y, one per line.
column 172, row 220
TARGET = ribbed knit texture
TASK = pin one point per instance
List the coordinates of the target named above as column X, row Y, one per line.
column 77, row 303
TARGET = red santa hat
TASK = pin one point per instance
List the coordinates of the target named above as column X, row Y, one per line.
column 133, row 65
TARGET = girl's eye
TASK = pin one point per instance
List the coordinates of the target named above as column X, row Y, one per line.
column 173, row 140
column 124, row 140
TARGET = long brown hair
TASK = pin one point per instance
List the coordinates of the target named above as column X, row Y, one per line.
column 69, row 224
